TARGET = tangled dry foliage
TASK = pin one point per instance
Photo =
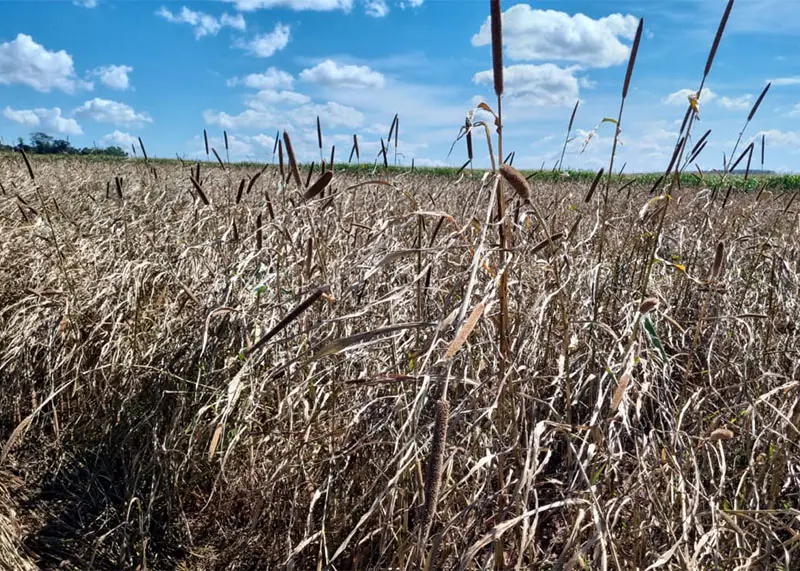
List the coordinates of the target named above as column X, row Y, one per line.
column 146, row 427
column 233, row 369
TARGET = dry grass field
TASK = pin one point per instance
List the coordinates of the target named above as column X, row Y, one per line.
column 217, row 367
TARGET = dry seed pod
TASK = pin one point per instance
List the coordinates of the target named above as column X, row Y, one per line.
column 717, row 270
column 496, row 17
column 321, row 183
column 648, row 305
column 721, row 434
column 433, row 477
column 517, row 181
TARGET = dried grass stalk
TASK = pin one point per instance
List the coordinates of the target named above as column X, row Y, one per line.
column 293, row 166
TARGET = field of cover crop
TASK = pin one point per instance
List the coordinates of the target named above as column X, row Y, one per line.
column 216, row 366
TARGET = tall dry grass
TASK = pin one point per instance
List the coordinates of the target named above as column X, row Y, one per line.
column 313, row 376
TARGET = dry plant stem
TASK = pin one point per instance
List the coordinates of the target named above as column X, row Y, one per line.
column 753, row 111
column 566, row 137
column 503, row 228
column 686, row 129
column 618, row 127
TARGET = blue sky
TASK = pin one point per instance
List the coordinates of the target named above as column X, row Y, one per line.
column 105, row 72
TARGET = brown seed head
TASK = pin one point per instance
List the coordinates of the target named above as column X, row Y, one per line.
column 497, row 45
column 648, row 305
column 719, row 257
column 518, row 182
column 721, row 434
column 434, row 472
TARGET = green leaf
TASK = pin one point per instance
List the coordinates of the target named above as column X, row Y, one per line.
column 648, row 325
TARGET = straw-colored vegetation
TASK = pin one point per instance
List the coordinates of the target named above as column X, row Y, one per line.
column 235, row 367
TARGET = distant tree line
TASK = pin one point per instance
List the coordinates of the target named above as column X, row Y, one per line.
column 43, row 144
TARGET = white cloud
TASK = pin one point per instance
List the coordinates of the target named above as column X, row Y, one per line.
column 376, row 8
column 114, row 76
column 776, row 138
column 411, row 4
column 273, row 78
column 265, row 45
column 780, row 81
column 106, row 111
column 264, row 141
column 334, row 115
column 47, row 119
column 24, row 61
column 119, row 139
column 202, row 23
column 530, row 34
column 248, row 119
column 266, row 98
column 681, row 97
column 85, row 3
column 348, row 76
column 660, row 134
column 541, row 85
column 735, row 103
column 241, row 147
column 318, row 5
column 265, row 117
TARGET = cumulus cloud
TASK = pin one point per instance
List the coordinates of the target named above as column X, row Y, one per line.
column 203, row 24
column 119, row 139
column 266, row 45
column 107, row 111
column 376, row 8
column 736, row 103
column 24, row 61
column 349, row 76
column 541, row 85
column 273, row 78
column 263, row 140
column 318, row 5
column 249, row 119
column 530, row 34
column 267, row 98
column 334, row 115
column 49, row 120
column 681, row 97
column 114, row 76
column 777, row 138
column 267, row 117
column 85, row 3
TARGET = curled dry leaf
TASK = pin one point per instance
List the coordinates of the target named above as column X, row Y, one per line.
column 465, row 330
